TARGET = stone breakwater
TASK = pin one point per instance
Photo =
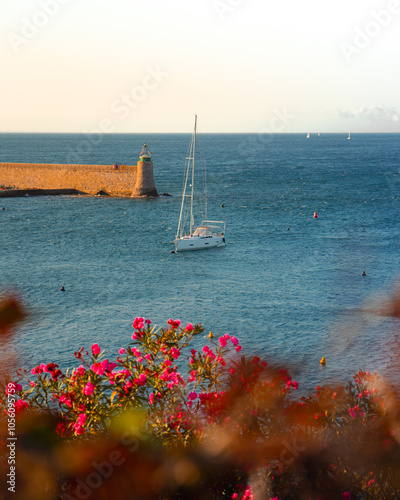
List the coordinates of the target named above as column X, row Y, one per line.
column 124, row 181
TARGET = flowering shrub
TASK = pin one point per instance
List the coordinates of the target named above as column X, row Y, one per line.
column 207, row 423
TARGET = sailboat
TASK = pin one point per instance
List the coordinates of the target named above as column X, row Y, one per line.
column 349, row 136
column 209, row 233
column 308, row 135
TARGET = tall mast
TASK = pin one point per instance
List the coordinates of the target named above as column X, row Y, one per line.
column 193, row 155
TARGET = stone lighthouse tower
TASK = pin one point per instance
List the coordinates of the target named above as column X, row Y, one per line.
column 144, row 175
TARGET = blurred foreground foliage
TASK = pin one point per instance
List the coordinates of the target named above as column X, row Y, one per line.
column 144, row 426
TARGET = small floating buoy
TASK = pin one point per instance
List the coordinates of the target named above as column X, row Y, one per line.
column 323, row 361
column 315, row 215
column 363, row 273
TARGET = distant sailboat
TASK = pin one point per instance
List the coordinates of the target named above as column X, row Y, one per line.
column 308, row 135
column 349, row 136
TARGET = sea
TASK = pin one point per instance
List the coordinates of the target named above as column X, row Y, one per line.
column 289, row 285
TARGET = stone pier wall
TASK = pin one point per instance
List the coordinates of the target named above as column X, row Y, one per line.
column 88, row 179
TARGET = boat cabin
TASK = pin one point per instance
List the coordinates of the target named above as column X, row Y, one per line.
column 203, row 231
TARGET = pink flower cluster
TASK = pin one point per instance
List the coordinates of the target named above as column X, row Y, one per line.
column 78, row 426
column 223, row 341
column 209, row 352
column 51, row 368
column 104, row 366
column 248, row 495
column 138, row 325
column 356, row 411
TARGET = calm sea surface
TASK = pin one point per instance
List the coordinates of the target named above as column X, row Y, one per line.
column 290, row 295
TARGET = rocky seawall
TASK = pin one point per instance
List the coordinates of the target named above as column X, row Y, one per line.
column 41, row 178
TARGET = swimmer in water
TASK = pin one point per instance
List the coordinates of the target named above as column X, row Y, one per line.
column 363, row 273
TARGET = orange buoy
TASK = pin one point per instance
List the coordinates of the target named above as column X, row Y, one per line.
column 315, row 215
column 323, row 361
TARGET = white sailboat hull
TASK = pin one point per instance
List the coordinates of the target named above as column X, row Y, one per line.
column 186, row 243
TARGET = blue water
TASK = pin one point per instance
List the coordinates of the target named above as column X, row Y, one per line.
column 290, row 295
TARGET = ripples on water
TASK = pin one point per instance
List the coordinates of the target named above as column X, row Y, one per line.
column 291, row 295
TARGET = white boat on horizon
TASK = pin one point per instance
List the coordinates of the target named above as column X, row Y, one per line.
column 308, row 135
column 349, row 136
column 209, row 233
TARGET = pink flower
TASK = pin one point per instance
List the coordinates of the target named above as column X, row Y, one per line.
column 89, row 389
column 138, row 323
column 20, row 405
column 121, row 350
column 221, row 361
column 142, row 379
column 189, row 327
column 234, row 341
column 151, row 398
column 346, row 495
column 174, row 323
column 81, row 418
column 63, row 399
column 175, row 353
column 192, row 396
column 148, row 322
column 16, row 387
column 110, row 366
column 148, row 357
column 98, row 368
column 238, row 348
column 78, row 429
column 95, row 349
column 36, row 371
column 80, row 422
column 248, row 494
column 356, row 411
column 295, row 385
column 222, row 341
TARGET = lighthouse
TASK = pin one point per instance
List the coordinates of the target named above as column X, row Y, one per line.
column 144, row 175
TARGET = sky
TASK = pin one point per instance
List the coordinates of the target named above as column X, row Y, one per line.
column 259, row 66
